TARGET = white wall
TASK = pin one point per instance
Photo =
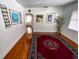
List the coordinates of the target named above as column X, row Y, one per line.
column 45, row 26
column 67, row 12
column 8, row 37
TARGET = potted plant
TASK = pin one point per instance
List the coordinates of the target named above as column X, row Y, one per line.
column 59, row 21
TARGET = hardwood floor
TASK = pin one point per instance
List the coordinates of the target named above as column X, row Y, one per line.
column 20, row 50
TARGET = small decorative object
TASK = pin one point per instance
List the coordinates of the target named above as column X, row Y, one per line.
column 39, row 18
column 51, row 17
column 60, row 21
column 29, row 10
column 15, row 17
column 5, row 15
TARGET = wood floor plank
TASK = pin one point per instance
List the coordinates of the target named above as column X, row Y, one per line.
column 20, row 50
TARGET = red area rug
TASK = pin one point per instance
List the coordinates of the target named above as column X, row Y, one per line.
column 52, row 48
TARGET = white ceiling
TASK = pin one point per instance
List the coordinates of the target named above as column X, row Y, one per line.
column 41, row 3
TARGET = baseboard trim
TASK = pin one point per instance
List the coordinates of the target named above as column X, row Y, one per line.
column 46, row 33
column 69, row 41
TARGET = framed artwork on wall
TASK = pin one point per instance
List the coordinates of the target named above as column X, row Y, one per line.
column 5, row 15
column 15, row 17
column 51, row 17
column 39, row 18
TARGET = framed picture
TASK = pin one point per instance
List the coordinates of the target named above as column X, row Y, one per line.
column 39, row 18
column 15, row 17
column 51, row 17
column 20, row 15
column 5, row 15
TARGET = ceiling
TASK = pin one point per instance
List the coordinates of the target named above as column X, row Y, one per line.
column 42, row 3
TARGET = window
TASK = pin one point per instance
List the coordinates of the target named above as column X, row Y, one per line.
column 73, row 25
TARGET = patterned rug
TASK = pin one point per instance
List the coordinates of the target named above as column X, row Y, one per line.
column 52, row 48
column 46, row 47
column 50, row 44
column 33, row 49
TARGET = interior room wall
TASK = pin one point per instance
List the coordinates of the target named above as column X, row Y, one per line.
column 67, row 12
column 44, row 26
column 9, row 36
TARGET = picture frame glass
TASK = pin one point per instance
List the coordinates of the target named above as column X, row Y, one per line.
column 5, row 15
column 39, row 18
column 51, row 17
column 15, row 17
